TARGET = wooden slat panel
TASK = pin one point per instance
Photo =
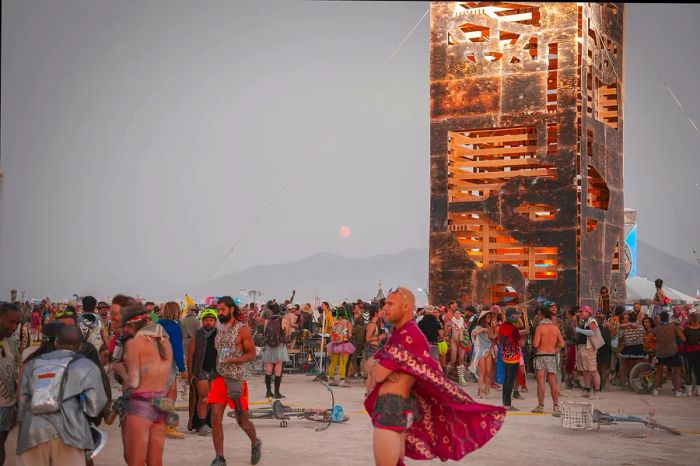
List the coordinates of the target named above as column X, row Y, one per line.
column 492, row 139
column 463, row 151
column 495, row 163
column 464, row 185
column 502, row 175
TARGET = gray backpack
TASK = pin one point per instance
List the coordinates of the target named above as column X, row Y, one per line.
column 48, row 379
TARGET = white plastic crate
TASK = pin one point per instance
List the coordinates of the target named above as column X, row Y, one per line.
column 577, row 415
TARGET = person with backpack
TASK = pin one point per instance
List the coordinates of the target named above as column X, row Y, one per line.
column 340, row 347
column 60, row 391
column 275, row 351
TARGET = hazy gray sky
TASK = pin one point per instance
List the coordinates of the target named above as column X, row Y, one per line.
column 140, row 140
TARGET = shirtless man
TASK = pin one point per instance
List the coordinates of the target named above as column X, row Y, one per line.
column 235, row 347
column 148, row 357
column 289, row 324
column 548, row 342
column 395, row 391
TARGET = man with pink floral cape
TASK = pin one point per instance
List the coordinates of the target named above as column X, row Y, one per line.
column 416, row 411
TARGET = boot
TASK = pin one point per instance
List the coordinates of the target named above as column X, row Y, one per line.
column 460, row 375
column 172, row 432
column 278, row 381
column 268, row 385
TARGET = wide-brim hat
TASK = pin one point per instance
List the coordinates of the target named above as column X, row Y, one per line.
column 483, row 313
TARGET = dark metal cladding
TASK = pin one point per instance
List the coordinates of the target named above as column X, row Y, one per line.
column 526, row 152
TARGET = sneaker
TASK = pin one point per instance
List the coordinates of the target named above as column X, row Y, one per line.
column 655, row 392
column 333, row 383
column 343, row 383
column 511, row 408
column 173, row 433
column 269, row 395
column 696, row 391
column 204, row 430
column 555, row 409
column 538, row 409
column 688, row 390
column 219, row 461
column 256, row 453
column 586, row 394
column 680, row 394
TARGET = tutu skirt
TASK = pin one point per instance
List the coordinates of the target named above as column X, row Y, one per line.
column 347, row 348
column 277, row 354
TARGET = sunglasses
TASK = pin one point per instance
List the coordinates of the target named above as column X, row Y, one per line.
column 399, row 290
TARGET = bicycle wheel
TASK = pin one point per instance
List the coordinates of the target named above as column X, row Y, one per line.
column 642, row 377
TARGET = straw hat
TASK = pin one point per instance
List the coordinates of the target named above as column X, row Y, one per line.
column 484, row 313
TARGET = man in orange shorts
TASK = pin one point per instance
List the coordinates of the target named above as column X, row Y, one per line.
column 234, row 346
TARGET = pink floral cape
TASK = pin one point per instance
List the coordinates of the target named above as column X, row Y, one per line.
column 452, row 424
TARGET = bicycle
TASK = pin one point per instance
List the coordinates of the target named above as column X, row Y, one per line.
column 606, row 419
column 284, row 413
column 642, row 377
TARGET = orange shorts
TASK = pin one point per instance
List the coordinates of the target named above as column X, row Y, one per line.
column 219, row 394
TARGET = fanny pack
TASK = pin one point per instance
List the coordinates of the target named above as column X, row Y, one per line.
column 234, row 388
column 161, row 403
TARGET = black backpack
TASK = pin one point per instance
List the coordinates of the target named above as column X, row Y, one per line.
column 273, row 332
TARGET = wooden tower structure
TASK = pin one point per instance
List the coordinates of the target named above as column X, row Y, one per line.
column 526, row 103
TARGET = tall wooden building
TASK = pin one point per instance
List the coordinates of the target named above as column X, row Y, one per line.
column 526, row 152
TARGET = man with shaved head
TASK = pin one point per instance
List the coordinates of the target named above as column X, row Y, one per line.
column 416, row 411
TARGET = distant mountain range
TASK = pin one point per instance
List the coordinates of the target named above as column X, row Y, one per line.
column 336, row 278
column 333, row 277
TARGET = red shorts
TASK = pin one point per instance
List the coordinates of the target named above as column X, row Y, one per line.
column 218, row 394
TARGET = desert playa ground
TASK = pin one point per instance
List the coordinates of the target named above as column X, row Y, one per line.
column 524, row 439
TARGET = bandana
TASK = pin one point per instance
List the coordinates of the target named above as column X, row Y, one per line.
column 138, row 318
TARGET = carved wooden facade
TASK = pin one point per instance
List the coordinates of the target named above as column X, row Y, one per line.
column 526, row 151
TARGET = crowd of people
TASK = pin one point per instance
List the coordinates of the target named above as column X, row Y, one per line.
column 122, row 360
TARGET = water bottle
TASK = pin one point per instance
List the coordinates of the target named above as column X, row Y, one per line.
column 338, row 415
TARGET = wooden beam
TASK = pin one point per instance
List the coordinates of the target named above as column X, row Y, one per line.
column 496, row 162
column 505, row 175
column 523, row 150
column 492, row 139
